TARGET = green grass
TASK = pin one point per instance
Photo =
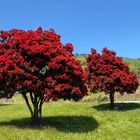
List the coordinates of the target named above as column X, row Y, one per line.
column 67, row 120
column 134, row 65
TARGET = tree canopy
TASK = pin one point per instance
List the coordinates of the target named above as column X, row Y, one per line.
column 107, row 72
column 36, row 62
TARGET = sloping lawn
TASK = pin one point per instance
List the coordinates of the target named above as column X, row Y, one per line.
column 71, row 121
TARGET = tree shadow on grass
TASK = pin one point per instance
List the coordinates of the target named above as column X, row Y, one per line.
column 73, row 124
column 5, row 104
column 118, row 106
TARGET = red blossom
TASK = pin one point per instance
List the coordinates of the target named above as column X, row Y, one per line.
column 69, row 47
column 107, row 72
column 37, row 62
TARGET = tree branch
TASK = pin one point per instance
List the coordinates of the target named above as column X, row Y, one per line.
column 28, row 104
column 40, row 104
column 31, row 96
column 44, row 99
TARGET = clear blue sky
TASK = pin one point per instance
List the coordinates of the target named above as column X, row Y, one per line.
column 84, row 23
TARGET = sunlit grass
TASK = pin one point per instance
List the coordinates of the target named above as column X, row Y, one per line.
column 66, row 120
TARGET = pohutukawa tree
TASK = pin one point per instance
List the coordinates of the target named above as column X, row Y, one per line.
column 37, row 64
column 108, row 73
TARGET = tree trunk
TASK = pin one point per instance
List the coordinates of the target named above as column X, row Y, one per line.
column 111, row 100
column 36, row 118
column 36, row 110
column 37, row 114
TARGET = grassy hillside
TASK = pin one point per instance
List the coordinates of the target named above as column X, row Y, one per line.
column 82, row 58
column 67, row 120
column 134, row 64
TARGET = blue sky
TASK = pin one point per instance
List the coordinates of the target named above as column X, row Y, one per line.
column 85, row 23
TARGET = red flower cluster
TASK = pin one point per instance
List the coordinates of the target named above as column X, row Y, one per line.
column 108, row 73
column 69, row 47
column 37, row 62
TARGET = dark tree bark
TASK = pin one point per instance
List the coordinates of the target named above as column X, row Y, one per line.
column 35, row 109
column 112, row 100
column 27, row 103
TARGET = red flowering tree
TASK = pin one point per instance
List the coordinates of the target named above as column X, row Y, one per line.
column 37, row 64
column 108, row 73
